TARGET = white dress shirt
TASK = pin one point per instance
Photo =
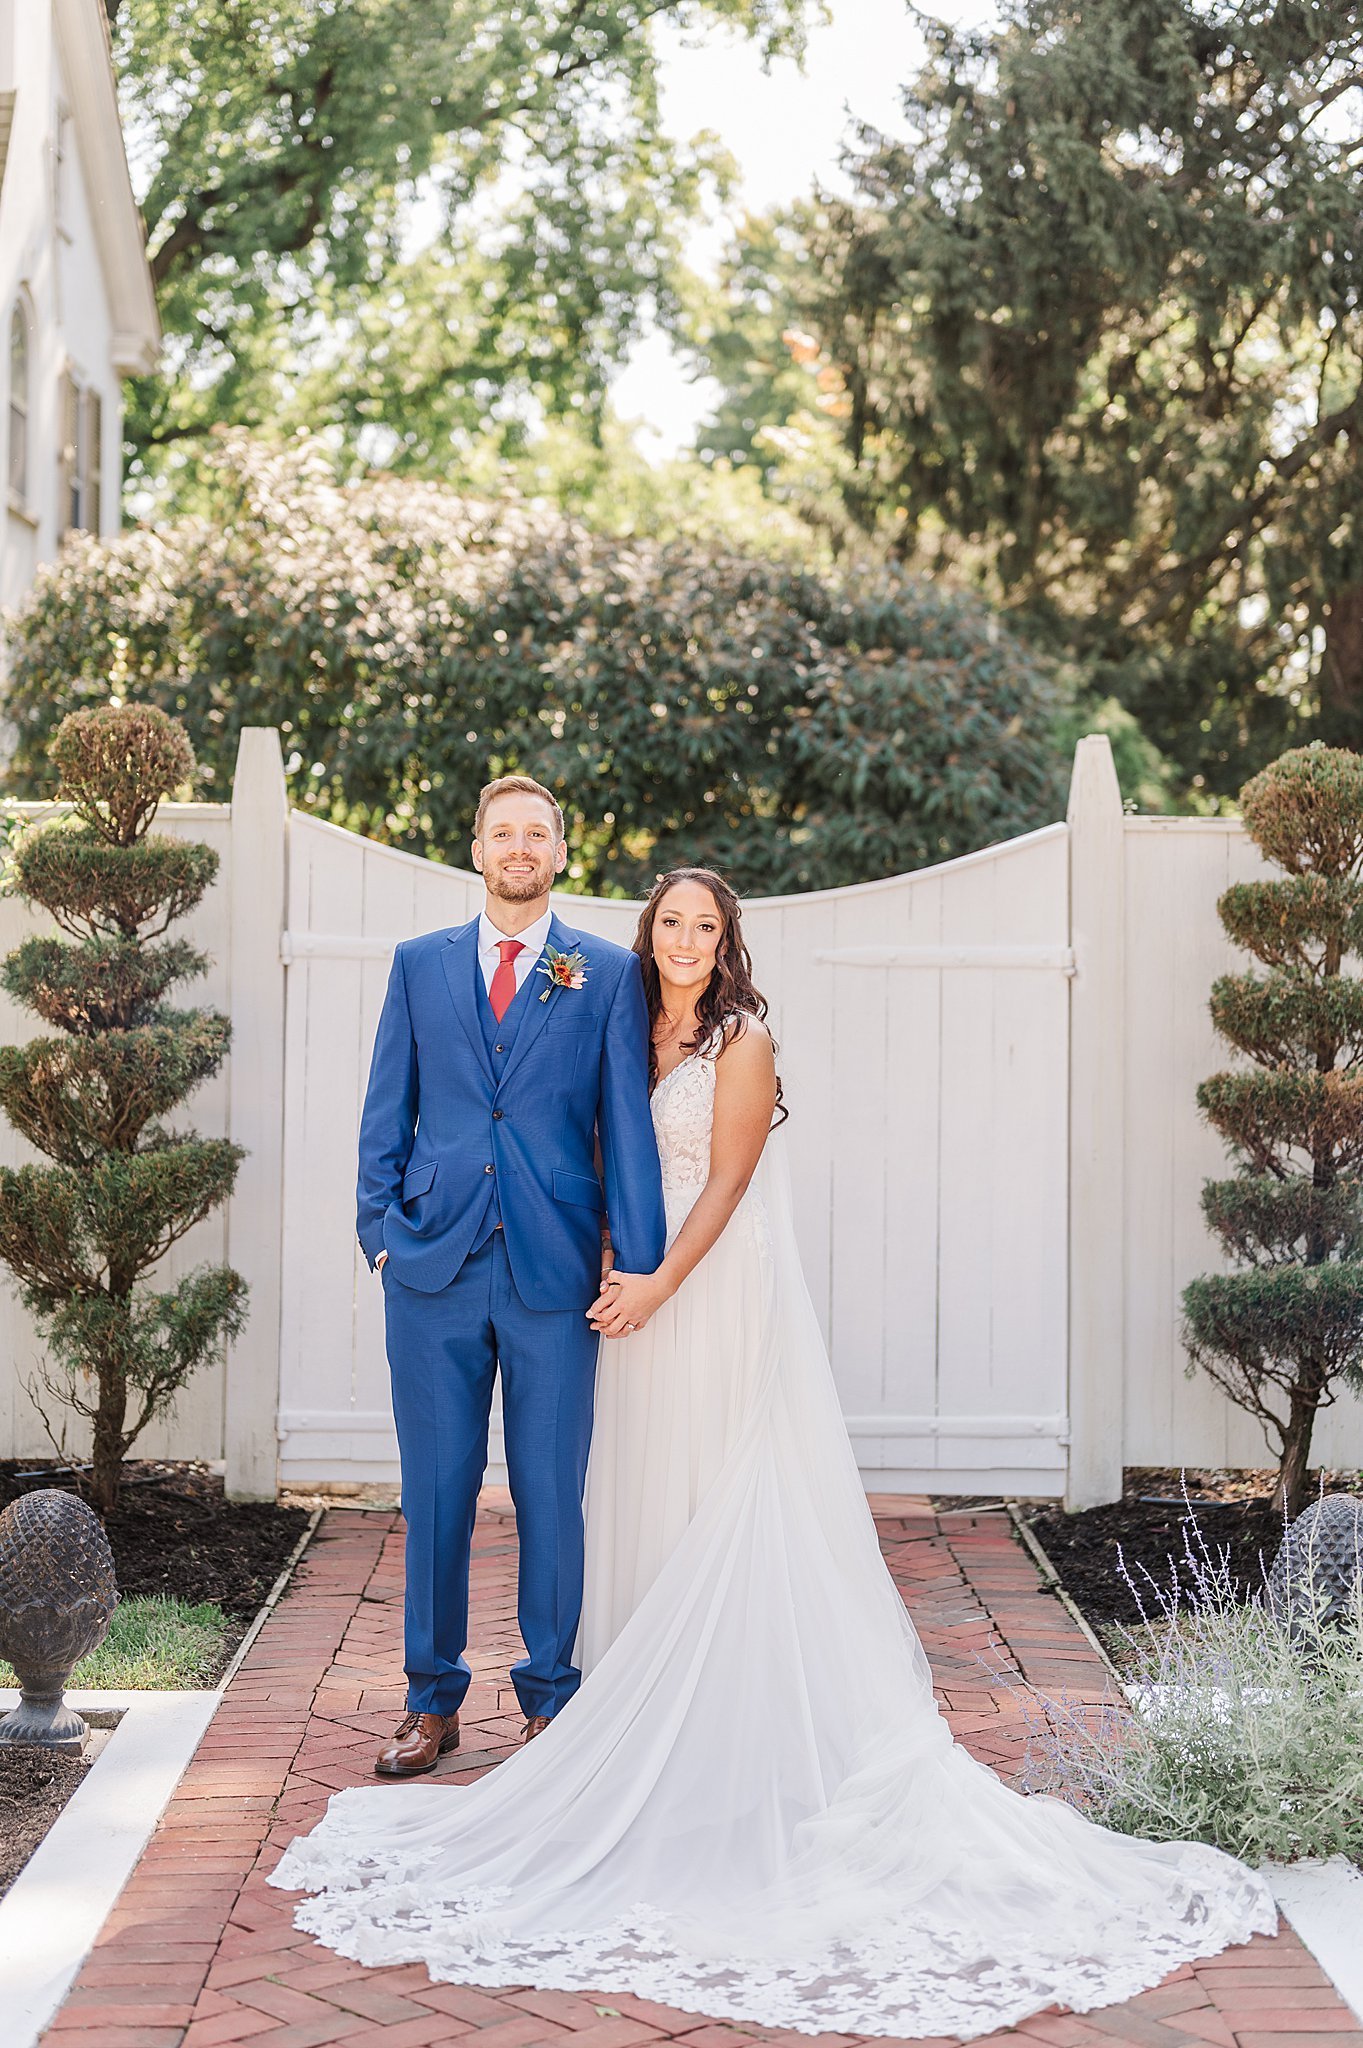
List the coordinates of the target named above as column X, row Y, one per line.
column 532, row 939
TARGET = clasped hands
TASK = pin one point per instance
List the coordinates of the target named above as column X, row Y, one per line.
column 626, row 1302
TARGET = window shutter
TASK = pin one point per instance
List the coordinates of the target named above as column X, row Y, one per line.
column 68, row 481
column 91, row 460
column 18, row 405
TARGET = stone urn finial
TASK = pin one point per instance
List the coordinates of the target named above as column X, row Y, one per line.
column 57, row 1598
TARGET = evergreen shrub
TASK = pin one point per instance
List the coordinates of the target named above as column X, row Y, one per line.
column 83, row 1234
column 1283, row 1335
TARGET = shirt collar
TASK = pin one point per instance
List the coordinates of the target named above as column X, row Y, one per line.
column 532, row 938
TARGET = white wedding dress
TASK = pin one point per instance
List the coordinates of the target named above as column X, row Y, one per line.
column 753, row 1808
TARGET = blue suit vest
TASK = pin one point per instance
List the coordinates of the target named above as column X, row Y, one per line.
column 499, row 1039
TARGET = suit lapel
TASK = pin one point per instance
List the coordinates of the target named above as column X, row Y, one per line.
column 563, row 940
column 460, row 962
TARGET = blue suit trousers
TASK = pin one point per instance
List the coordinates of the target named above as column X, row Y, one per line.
column 450, row 1346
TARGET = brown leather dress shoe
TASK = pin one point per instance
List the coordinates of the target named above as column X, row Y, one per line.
column 417, row 1742
column 536, row 1725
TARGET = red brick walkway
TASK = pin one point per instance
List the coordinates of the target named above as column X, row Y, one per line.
column 200, row 1951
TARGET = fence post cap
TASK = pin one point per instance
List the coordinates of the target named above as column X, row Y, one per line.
column 1094, row 787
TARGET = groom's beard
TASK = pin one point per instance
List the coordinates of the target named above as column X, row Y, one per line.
column 519, row 888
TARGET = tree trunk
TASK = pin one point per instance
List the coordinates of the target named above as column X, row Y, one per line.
column 107, row 1454
column 1341, row 676
column 1291, row 1493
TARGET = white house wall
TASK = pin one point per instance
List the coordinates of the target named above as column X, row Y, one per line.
column 78, row 262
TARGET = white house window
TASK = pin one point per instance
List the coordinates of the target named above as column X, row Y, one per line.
column 78, row 476
column 18, row 405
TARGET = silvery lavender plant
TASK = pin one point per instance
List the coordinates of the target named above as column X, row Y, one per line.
column 1231, row 1732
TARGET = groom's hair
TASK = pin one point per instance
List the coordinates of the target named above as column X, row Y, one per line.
column 524, row 785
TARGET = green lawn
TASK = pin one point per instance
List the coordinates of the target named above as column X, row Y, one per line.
column 153, row 1644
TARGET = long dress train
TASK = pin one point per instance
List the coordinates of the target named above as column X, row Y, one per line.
column 753, row 1807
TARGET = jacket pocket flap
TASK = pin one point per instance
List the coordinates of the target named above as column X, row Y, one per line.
column 418, row 1180
column 579, row 1187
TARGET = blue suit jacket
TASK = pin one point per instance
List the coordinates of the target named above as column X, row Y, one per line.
column 437, row 1120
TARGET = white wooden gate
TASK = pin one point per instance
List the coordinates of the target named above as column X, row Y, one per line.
column 923, row 1025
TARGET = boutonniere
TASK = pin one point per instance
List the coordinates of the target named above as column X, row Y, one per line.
column 565, row 970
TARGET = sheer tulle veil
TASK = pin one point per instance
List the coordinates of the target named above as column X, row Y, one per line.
column 753, row 1808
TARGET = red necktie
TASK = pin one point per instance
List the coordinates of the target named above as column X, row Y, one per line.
column 503, row 988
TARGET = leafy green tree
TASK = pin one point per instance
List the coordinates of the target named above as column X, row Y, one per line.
column 82, row 1234
column 606, row 481
column 1093, row 329
column 687, row 701
column 1284, row 1334
column 778, row 421
column 396, row 214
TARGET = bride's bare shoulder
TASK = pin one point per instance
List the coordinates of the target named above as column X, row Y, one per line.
column 741, row 1027
column 748, row 1052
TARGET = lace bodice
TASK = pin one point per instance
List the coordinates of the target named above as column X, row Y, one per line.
column 683, row 1118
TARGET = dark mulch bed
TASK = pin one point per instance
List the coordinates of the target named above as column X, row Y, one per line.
column 1231, row 1512
column 173, row 1533
column 35, row 1785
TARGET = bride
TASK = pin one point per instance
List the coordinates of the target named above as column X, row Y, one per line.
column 752, row 1808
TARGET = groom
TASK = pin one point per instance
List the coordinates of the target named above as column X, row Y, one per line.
column 511, row 1053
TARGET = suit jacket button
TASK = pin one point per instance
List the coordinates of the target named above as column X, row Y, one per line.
column 497, row 1115
column 499, row 1048
column 489, row 1169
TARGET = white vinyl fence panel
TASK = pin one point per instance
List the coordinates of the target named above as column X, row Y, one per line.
column 990, row 1067
column 922, row 1025
column 1175, row 948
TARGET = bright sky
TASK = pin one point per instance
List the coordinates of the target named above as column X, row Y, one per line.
column 785, row 128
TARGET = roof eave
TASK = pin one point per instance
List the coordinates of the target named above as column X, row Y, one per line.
column 87, row 66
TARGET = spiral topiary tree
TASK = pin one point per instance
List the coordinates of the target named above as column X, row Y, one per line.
column 1284, row 1334
column 82, row 1234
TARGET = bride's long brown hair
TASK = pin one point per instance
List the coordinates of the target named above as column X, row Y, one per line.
column 729, row 995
